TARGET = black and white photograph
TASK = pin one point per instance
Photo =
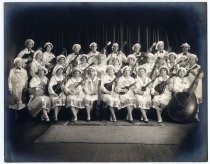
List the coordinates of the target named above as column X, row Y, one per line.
column 105, row 82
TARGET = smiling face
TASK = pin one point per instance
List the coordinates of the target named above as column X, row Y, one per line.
column 137, row 49
column 48, row 48
column 59, row 71
column 115, row 61
column 29, row 45
column 163, row 72
column 192, row 61
column 62, row 61
column 182, row 73
column 77, row 49
column 83, row 60
column 172, row 58
column 110, row 71
column 150, row 59
column 76, row 73
column 115, row 48
column 131, row 61
column 141, row 72
column 185, row 49
column 91, row 72
column 41, row 72
column 126, row 72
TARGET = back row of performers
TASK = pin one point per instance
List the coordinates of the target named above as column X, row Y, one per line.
column 76, row 81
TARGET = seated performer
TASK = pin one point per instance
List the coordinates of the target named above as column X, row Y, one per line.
column 184, row 55
column 84, row 64
column 109, row 96
column 39, row 102
column 92, row 55
column 91, row 89
column 143, row 97
column 27, row 53
column 180, row 82
column 172, row 64
column 160, row 51
column 48, row 56
column 17, row 81
column 132, row 62
column 124, row 88
column 192, row 70
column 115, row 53
column 161, row 100
column 74, row 92
column 101, row 66
column 37, row 62
column 149, row 64
column 55, row 89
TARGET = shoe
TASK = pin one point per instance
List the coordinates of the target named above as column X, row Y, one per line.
column 114, row 120
column 142, row 119
column 88, row 119
column 130, row 121
column 160, row 121
column 146, row 121
column 42, row 117
column 47, row 120
column 197, row 119
column 75, row 119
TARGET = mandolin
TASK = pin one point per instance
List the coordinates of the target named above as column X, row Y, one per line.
column 127, row 87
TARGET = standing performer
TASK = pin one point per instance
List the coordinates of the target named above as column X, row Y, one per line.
column 142, row 92
column 192, row 70
column 48, row 56
column 124, row 88
column 101, row 66
column 73, row 59
column 74, row 92
column 115, row 53
column 160, row 51
column 38, row 100
column 91, row 90
column 149, row 64
column 116, row 63
column 55, row 89
column 184, row 55
column 92, row 55
column 161, row 100
column 111, row 98
column 27, row 53
column 17, row 81
column 37, row 62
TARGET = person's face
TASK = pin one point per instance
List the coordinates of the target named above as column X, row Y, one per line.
column 126, row 72
column 185, row 49
column 62, row 61
column 92, row 72
column 110, row 71
column 83, row 60
column 160, row 47
column 76, row 49
column 29, row 45
column 163, row 72
column 182, row 73
column 41, row 72
column 39, row 56
column 192, row 61
column 76, row 73
column 100, row 60
column 150, row 59
column 131, row 61
column 161, row 61
column 115, row 48
column 171, row 58
column 94, row 48
column 18, row 64
column 141, row 72
column 48, row 48
column 59, row 71
column 137, row 48
column 115, row 61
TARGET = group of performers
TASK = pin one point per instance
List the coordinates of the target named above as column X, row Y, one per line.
column 78, row 81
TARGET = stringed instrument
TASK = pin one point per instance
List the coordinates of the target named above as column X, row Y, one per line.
column 183, row 105
column 194, row 67
column 57, row 87
column 108, row 86
column 105, row 48
column 142, row 59
column 173, row 67
column 127, row 87
column 154, row 68
column 122, row 47
column 160, row 88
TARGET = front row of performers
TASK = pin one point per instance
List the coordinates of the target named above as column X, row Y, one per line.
column 117, row 81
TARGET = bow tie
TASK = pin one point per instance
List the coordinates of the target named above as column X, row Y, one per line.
column 18, row 68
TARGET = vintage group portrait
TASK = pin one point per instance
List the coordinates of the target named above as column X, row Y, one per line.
column 105, row 82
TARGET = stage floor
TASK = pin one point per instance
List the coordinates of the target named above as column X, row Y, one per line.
column 20, row 145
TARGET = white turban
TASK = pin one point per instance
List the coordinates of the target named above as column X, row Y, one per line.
column 75, row 46
column 159, row 42
column 137, row 44
column 93, row 44
column 48, row 43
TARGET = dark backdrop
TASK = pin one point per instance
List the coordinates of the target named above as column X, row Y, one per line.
column 64, row 24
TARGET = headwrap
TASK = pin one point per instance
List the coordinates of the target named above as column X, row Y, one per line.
column 173, row 54
column 126, row 67
column 115, row 44
column 48, row 43
column 110, row 66
column 194, row 57
column 132, row 56
column 59, row 57
column 93, row 44
column 137, row 44
column 159, row 42
column 75, row 46
column 142, row 67
column 42, row 68
column 164, row 67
